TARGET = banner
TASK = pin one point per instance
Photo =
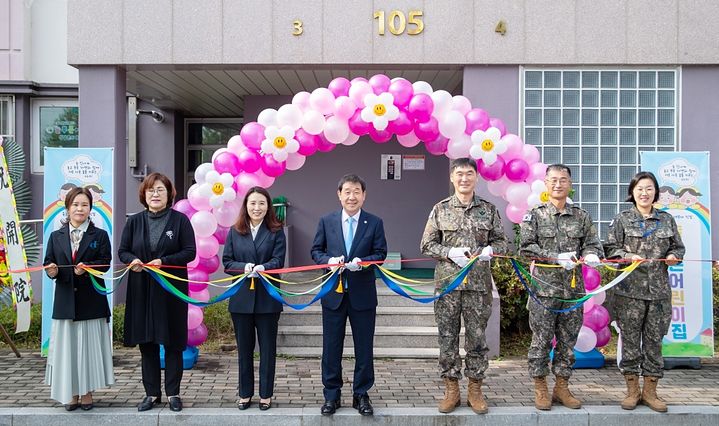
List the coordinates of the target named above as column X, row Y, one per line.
column 14, row 249
column 684, row 192
column 65, row 169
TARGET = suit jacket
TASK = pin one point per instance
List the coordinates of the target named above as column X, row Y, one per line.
column 152, row 315
column 75, row 297
column 369, row 244
column 267, row 249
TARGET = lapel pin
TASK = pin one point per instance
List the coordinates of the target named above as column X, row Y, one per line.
column 169, row 234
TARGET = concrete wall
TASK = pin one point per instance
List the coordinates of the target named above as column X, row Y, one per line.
column 344, row 32
column 49, row 43
column 14, row 40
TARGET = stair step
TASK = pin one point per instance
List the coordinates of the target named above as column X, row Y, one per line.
column 315, row 352
column 386, row 316
column 385, row 336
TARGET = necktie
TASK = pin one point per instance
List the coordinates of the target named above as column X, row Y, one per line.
column 75, row 237
column 350, row 234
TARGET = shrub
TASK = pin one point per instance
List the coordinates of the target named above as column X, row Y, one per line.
column 30, row 339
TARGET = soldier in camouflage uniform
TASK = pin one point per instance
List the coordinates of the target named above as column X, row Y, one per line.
column 643, row 301
column 559, row 232
column 457, row 228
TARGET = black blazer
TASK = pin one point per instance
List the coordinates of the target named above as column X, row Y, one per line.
column 268, row 249
column 75, row 297
column 369, row 244
column 152, row 315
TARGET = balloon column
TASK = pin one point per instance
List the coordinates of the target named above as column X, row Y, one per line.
column 595, row 329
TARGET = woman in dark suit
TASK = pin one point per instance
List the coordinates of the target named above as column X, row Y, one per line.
column 80, row 354
column 256, row 243
column 157, row 236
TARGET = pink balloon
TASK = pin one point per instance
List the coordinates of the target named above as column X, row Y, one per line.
column 324, row 145
column 588, row 305
column 235, row 145
column 198, row 276
column 492, row 172
column 498, row 187
column 603, row 337
column 221, row 234
column 409, row 140
column 197, row 336
column 586, row 340
column 402, row 92
column 517, row 193
column 245, row 181
column 202, row 295
column 302, row 100
column 592, row 278
column 516, row 170
column 421, row 107
column 477, row 119
column 537, row 171
column 496, row 122
column 207, row 246
column 515, row 213
column 530, row 153
column 358, row 90
column 295, row 161
column 340, row 86
column 194, row 262
column 227, row 214
column 344, row 108
column 380, row 136
column 194, row 316
column 356, row 79
column 227, row 162
column 308, row 142
column 250, row 160
column 514, row 147
column 459, row 147
column 197, row 201
column 263, row 180
column 210, row 264
column 379, row 83
column 599, row 298
column 184, row 207
column 597, row 318
column 252, row 135
column 427, row 130
column 437, row 146
column 401, row 125
column 357, row 125
column 272, row 167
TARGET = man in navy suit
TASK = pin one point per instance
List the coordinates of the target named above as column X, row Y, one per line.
column 350, row 233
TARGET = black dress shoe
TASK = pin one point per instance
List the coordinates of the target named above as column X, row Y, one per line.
column 72, row 407
column 329, row 407
column 264, row 406
column 175, row 403
column 361, row 403
column 244, row 405
column 86, row 407
column 148, row 403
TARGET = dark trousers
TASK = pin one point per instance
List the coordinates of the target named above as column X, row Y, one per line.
column 333, row 336
column 266, row 326
column 151, row 370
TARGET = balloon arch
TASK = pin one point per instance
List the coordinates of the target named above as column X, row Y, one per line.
column 314, row 122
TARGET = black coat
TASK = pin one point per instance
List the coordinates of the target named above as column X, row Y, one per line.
column 75, row 297
column 267, row 249
column 152, row 315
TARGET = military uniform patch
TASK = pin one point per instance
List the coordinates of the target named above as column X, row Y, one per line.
column 527, row 217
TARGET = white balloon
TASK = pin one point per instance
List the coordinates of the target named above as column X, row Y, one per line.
column 201, row 171
column 313, row 122
column 600, row 298
column 586, row 340
column 538, row 186
column 458, row 147
column 344, row 107
column 351, row 139
column 302, row 100
column 442, row 104
column 268, row 117
column 358, row 90
column 422, row 87
column 453, row 125
column 204, row 223
column 322, row 100
column 461, row 104
column 336, row 130
column 295, row 161
column 289, row 115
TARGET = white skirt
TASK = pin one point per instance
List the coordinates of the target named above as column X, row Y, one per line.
column 79, row 358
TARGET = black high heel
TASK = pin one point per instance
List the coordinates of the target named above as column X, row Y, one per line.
column 244, row 405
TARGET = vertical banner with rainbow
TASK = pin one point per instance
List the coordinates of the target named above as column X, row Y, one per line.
column 67, row 168
column 684, row 192
column 13, row 249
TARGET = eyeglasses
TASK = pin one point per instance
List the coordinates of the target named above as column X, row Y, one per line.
column 562, row 181
column 158, row 191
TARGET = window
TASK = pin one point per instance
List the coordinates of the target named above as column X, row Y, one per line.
column 54, row 125
column 203, row 137
column 597, row 122
column 7, row 116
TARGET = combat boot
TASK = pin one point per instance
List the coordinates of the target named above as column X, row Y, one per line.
column 541, row 394
column 451, row 396
column 562, row 395
column 634, row 394
column 649, row 395
column 475, row 399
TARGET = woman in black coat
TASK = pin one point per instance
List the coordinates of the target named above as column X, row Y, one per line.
column 158, row 236
column 80, row 353
column 256, row 243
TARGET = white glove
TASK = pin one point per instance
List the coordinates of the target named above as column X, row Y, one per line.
column 354, row 266
column 458, row 255
column 486, row 254
column 257, row 269
column 592, row 260
column 336, row 261
column 248, row 267
column 567, row 260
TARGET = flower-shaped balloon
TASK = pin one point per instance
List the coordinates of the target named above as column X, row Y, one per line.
column 539, row 194
column 218, row 188
column 379, row 110
column 487, row 145
column 279, row 142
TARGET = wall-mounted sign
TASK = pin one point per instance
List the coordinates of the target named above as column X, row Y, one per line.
column 391, row 168
column 413, row 162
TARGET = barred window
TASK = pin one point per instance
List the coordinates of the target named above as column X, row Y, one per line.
column 597, row 122
column 203, row 137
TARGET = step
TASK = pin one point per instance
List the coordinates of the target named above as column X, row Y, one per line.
column 406, row 353
column 386, row 316
column 385, row 296
column 385, row 337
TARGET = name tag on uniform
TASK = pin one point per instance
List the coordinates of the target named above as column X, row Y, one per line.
column 527, row 217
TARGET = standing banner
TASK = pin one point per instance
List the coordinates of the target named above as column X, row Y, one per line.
column 11, row 239
column 684, row 192
column 65, row 169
